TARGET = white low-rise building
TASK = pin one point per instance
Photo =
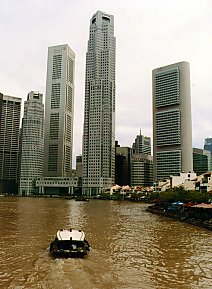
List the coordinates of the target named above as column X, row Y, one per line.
column 56, row 186
column 204, row 182
column 186, row 180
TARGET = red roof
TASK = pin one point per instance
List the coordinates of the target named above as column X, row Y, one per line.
column 205, row 206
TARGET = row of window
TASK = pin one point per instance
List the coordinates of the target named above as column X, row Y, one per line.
column 168, row 127
column 57, row 66
column 55, row 95
column 167, row 88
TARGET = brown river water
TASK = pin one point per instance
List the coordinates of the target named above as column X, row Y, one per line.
column 130, row 248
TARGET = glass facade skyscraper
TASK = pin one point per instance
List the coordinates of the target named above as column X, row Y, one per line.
column 141, row 145
column 208, row 144
column 99, row 114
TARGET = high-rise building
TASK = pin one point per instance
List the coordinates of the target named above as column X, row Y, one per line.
column 172, row 128
column 32, row 143
column 208, row 144
column 123, row 165
column 10, row 110
column 59, row 109
column 99, row 114
column 142, row 169
column 201, row 161
column 142, row 145
column 79, row 166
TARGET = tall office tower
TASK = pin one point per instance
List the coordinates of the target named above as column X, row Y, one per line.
column 10, row 109
column 59, row 109
column 32, row 143
column 208, row 144
column 142, row 144
column 123, row 165
column 79, row 166
column 172, row 128
column 201, row 161
column 99, row 114
column 142, row 169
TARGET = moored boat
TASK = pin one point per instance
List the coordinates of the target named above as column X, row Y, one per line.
column 69, row 243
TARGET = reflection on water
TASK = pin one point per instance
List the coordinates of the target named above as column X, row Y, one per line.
column 130, row 248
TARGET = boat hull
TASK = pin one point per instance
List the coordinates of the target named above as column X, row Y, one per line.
column 69, row 253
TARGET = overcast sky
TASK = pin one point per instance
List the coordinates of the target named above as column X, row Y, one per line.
column 149, row 34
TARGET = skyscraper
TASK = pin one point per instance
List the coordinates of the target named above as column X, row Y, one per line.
column 10, row 109
column 208, row 144
column 142, row 168
column 142, row 145
column 32, row 143
column 201, row 161
column 172, row 128
column 59, row 109
column 99, row 114
column 123, row 165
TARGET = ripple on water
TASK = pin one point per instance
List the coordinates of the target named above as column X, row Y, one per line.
column 130, row 248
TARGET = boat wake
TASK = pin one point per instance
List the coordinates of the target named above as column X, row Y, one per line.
column 67, row 273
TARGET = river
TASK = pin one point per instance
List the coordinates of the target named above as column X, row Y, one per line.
column 130, row 248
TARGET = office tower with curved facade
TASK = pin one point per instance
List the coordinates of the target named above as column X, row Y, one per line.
column 32, row 143
column 172, row 127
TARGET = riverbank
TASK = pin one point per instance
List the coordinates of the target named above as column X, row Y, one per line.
column 85, row 197
column 183, row 214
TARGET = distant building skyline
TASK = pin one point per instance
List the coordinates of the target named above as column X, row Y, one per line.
column 172, row 126
column 99, row 113
column 142, row 144
column 201, row 161
column 59, row 111
column 32, row 143
column 208, row 144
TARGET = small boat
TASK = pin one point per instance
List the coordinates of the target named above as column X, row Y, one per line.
column 69, row 243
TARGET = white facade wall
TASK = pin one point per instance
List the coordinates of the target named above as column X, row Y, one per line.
column 184, row 179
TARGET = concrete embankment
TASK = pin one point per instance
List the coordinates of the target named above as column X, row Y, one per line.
column 182, row 217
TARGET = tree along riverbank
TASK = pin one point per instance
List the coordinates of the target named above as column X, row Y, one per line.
column 186, row 206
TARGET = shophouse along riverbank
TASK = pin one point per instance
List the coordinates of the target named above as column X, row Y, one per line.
column 195, row 214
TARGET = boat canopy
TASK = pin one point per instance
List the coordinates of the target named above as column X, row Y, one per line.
column 75, row 235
